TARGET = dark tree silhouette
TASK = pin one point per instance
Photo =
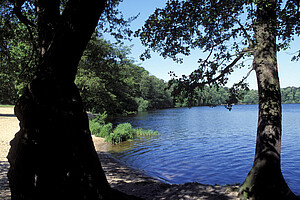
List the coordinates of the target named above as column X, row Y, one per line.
column 53, row 156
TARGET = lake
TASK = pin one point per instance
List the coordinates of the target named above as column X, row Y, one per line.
column 207, row 145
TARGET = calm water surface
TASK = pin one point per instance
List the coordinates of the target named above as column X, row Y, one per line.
column 207, row 145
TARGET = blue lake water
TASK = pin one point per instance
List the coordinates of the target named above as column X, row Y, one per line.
column 207, row 145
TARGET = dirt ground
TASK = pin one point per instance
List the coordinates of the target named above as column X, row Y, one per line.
column 9, row 125
column 120, row 176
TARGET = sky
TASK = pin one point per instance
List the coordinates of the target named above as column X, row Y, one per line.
column 158, row 66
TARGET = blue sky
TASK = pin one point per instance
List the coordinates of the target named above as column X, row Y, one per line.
column 288, row 71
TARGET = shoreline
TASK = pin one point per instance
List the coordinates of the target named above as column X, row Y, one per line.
column 120, row 177
column 135, row 182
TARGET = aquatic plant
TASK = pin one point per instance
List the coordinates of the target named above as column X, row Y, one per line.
column 122, row 132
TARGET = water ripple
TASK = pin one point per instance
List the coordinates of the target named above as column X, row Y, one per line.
column 208, row 145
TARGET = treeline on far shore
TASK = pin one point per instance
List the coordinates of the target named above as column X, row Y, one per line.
column 213, row 96
column 110, row 81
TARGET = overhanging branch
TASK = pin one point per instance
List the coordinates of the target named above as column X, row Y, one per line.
column 226, row 70
column 244, row 31
column 17, row 10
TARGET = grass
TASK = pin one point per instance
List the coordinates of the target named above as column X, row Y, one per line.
column 5, row 105
column 142, row 132
column 121, row 133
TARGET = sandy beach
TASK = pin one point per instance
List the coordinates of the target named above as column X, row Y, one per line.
column 120, row 176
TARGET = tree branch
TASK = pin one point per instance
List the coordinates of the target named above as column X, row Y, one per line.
column 244, row 30
column 47, row 20
column 216, row 44
column 71, row 35
column 228, row 67
column 23, row 19
column 247, row 75
column 17, row 10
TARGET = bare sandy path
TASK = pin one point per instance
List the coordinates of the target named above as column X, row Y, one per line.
column 119, row 176
column 9, row 126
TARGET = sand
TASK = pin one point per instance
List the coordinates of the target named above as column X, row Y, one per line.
column 9, row 125
column 120, row 176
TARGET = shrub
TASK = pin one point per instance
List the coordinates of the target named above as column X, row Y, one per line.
column 101, row 118
column 121, row 133
column 95, row 127
column 106, row 130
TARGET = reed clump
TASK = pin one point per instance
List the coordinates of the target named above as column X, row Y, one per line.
column 121, row 133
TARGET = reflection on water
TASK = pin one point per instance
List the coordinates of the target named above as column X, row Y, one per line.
column 207, row 145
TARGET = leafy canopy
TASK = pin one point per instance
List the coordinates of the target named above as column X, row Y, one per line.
column 19, row 47
column 224, row 30
column 109, row 81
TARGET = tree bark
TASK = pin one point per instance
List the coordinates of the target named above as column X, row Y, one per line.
column 48, row 14
column 53, row 156
column 265, row 179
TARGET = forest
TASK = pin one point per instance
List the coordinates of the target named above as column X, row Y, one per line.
column 110, row 81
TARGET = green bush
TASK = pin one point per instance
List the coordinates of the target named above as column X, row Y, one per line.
column 106, row 130
column 101, row 118
column 95, row 127
column 98, row 123
column 121, row 133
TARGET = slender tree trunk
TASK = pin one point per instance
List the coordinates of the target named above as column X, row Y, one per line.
column 53, row 156
column 265, row 180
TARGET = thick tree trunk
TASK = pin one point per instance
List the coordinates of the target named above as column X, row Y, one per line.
column 53, row 156
column 265, row 180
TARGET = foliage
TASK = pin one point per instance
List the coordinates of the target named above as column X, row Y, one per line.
column 112, row 21
column 224, row 30
column 121, row 133
column 154, row 90
column 141, row 132
column 97, row 124
column 95, row 127
column 106, row 130
column 212, row 96
column 19, row 52
column 100, row 79
column 109, row 81
column 6, row 106
column 101, row 118
column 143, row 104
column 290, row 95
column 250, row 97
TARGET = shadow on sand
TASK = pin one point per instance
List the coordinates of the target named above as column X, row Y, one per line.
column 133, row 182
column 7, row 115
column 4, row 187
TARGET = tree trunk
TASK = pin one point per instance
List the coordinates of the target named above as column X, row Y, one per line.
column 265, row 180
column 53, row 156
